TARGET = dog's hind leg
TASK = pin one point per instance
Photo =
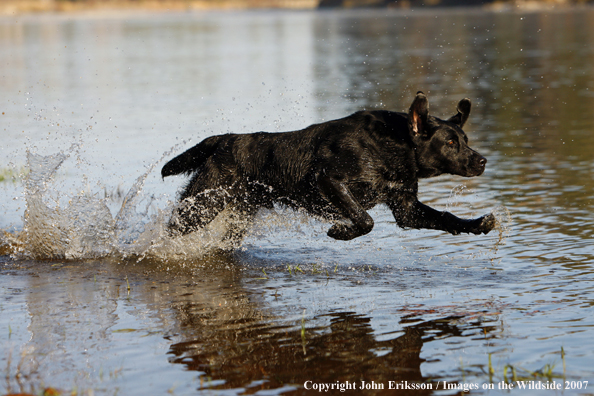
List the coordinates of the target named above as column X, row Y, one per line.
column 247, row 200
column 239, row 219
column 340, row 196
column 195, row 212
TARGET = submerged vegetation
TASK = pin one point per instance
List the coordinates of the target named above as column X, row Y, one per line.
column 514, row 373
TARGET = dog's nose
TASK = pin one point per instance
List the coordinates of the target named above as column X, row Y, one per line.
column 483, row 161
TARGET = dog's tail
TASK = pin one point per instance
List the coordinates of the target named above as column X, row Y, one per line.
column 190, row 160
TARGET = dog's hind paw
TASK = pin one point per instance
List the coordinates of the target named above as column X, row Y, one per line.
column 342, row 232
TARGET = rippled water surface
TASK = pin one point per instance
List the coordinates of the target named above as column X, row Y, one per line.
column 95, row 300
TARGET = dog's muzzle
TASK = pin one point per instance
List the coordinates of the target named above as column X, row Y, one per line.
column 478, row 165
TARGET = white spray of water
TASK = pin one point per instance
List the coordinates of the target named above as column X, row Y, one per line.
column 85, row 227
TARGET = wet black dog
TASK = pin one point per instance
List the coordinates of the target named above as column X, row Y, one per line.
column 336, row 170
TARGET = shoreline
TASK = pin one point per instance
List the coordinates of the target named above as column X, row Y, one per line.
column 12, row 7
column 41, row 7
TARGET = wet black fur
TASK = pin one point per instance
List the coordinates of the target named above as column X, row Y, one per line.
column 336, row 170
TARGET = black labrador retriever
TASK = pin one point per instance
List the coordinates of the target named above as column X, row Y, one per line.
column 336, row 170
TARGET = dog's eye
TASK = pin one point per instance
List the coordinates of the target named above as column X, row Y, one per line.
column 450, row 143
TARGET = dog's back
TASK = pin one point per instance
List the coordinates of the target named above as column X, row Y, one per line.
column 281, row 160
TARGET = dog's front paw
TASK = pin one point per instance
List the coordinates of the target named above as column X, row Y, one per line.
column 485, row 224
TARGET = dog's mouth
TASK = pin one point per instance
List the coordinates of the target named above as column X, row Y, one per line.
column 477, row 172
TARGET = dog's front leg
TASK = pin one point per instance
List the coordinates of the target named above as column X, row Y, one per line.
column 411, row 213
column 340, row 196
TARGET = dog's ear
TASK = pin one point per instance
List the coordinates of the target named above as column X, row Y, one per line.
column 463, row 113
column 417, row 114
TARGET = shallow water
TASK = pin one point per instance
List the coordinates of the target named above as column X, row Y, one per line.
column 94, row 299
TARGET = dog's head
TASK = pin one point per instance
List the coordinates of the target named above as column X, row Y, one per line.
column 442, row 145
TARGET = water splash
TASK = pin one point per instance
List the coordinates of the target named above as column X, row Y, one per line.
column 85, row 228
column 455, row 194
column 504, row 224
